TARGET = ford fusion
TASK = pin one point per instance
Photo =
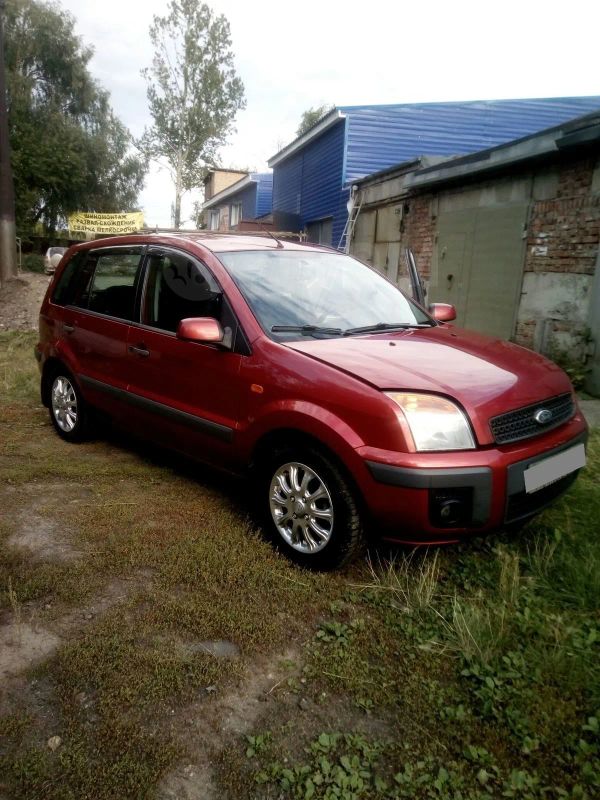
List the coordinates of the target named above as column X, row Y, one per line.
column 348, row 408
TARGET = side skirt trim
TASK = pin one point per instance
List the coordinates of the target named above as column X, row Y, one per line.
column 200, row 424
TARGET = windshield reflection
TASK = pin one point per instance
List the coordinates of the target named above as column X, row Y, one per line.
column 327, row 290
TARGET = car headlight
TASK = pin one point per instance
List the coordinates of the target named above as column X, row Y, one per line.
column 435, row 422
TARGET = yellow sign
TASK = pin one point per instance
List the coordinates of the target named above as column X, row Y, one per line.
column 88, row 222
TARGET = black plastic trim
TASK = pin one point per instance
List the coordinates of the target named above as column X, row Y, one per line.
column 477, row 478
column 206, row 426
column 537, row 431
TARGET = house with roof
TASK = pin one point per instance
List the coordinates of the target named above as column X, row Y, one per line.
column 248, row 198
column 219, row 178
column 313, row 174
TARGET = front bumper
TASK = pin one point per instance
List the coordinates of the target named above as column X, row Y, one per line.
column 401, row 496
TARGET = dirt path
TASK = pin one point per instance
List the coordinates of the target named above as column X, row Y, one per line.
column 20, row 301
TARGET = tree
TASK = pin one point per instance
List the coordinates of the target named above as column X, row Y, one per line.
column 69, row 151
column 8, row 239
column 311, row 116
column 193, row 92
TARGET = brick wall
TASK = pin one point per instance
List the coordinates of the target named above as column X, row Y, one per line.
column 564, row 232
column 563, row 236
column 418, row 231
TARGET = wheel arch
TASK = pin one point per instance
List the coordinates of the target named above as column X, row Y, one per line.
column 50, row 368
column 289, row 437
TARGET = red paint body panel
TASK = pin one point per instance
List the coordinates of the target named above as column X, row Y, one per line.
column 328, row 389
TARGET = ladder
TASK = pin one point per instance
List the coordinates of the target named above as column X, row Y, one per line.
column 348, row 232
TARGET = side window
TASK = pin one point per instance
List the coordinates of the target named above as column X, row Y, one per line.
column 73, row 285
column 178, row 287
column 113, row 286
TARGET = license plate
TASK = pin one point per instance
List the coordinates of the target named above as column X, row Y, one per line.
column 552, row 469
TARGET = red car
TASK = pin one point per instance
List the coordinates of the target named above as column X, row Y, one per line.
column 349, row 406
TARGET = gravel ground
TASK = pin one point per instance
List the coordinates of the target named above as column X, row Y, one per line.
column 20, row 301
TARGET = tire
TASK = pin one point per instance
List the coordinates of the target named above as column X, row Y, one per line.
column 321, row 528
column 68, row 411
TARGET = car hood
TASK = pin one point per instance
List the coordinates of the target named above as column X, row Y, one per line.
column 487, row 376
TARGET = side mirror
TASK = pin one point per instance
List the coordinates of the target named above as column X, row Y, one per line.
column 443, row 312
column 205, row 330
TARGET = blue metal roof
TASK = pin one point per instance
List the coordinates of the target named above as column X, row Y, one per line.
column 313, row 173
column 380, row 136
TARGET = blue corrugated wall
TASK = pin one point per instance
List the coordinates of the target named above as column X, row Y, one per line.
column 255, row 198
column 309, row 182
column 247, row 197
column 313, row 182
column 264, row 194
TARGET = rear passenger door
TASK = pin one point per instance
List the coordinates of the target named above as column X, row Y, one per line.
column 97, row 321
column 188, row 394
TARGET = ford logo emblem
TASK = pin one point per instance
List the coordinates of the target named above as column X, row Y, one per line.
column 542, row 416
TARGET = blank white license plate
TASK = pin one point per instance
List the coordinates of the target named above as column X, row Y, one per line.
column 552, row 469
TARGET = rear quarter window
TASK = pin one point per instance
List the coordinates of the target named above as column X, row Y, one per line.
column 113, row 287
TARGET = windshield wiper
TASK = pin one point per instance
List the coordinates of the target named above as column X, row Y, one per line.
column 305, row 330
column 386, row 326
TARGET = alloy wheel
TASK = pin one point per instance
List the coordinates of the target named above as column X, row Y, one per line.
column 301, row 507
column 64, row 403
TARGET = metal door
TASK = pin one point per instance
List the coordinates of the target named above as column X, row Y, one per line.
column 479, row 266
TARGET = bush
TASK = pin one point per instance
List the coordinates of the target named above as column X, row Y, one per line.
column 33, row 262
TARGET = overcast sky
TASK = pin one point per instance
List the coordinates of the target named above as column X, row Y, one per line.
column 291, row 56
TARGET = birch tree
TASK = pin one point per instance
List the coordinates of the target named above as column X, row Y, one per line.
column 193, row 93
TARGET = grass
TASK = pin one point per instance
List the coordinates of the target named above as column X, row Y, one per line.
column 471, row 672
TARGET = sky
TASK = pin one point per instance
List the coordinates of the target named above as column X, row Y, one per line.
column 292, row 56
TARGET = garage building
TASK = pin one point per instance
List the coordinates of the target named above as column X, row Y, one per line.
column 509, row 235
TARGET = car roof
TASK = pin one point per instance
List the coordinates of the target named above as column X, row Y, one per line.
column 215, row 242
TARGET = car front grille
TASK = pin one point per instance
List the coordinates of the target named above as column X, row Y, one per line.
column 521, row 424
column 522, row 505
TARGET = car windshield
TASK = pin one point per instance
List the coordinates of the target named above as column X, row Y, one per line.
column 296, row 293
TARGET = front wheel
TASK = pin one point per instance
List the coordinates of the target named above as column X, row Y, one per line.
column 67, row 407
column 311, row 510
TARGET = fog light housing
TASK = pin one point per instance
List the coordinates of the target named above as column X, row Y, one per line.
column 451, row 508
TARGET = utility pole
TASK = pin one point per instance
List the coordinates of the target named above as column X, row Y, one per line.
column 8, row 241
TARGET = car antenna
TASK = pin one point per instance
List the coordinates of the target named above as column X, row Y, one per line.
column 268, row 232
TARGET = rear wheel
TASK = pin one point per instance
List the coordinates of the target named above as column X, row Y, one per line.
column 68, row 411
column 310, row 510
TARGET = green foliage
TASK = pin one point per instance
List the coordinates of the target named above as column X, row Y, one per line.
column 311, row 116
column 339, row 766
column 573, row 365
column 69, row 151
column 33, row 262
column 258, row 743
column 193, row 91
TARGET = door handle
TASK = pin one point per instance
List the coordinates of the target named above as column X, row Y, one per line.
column 68, row 328
column 139, row 351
